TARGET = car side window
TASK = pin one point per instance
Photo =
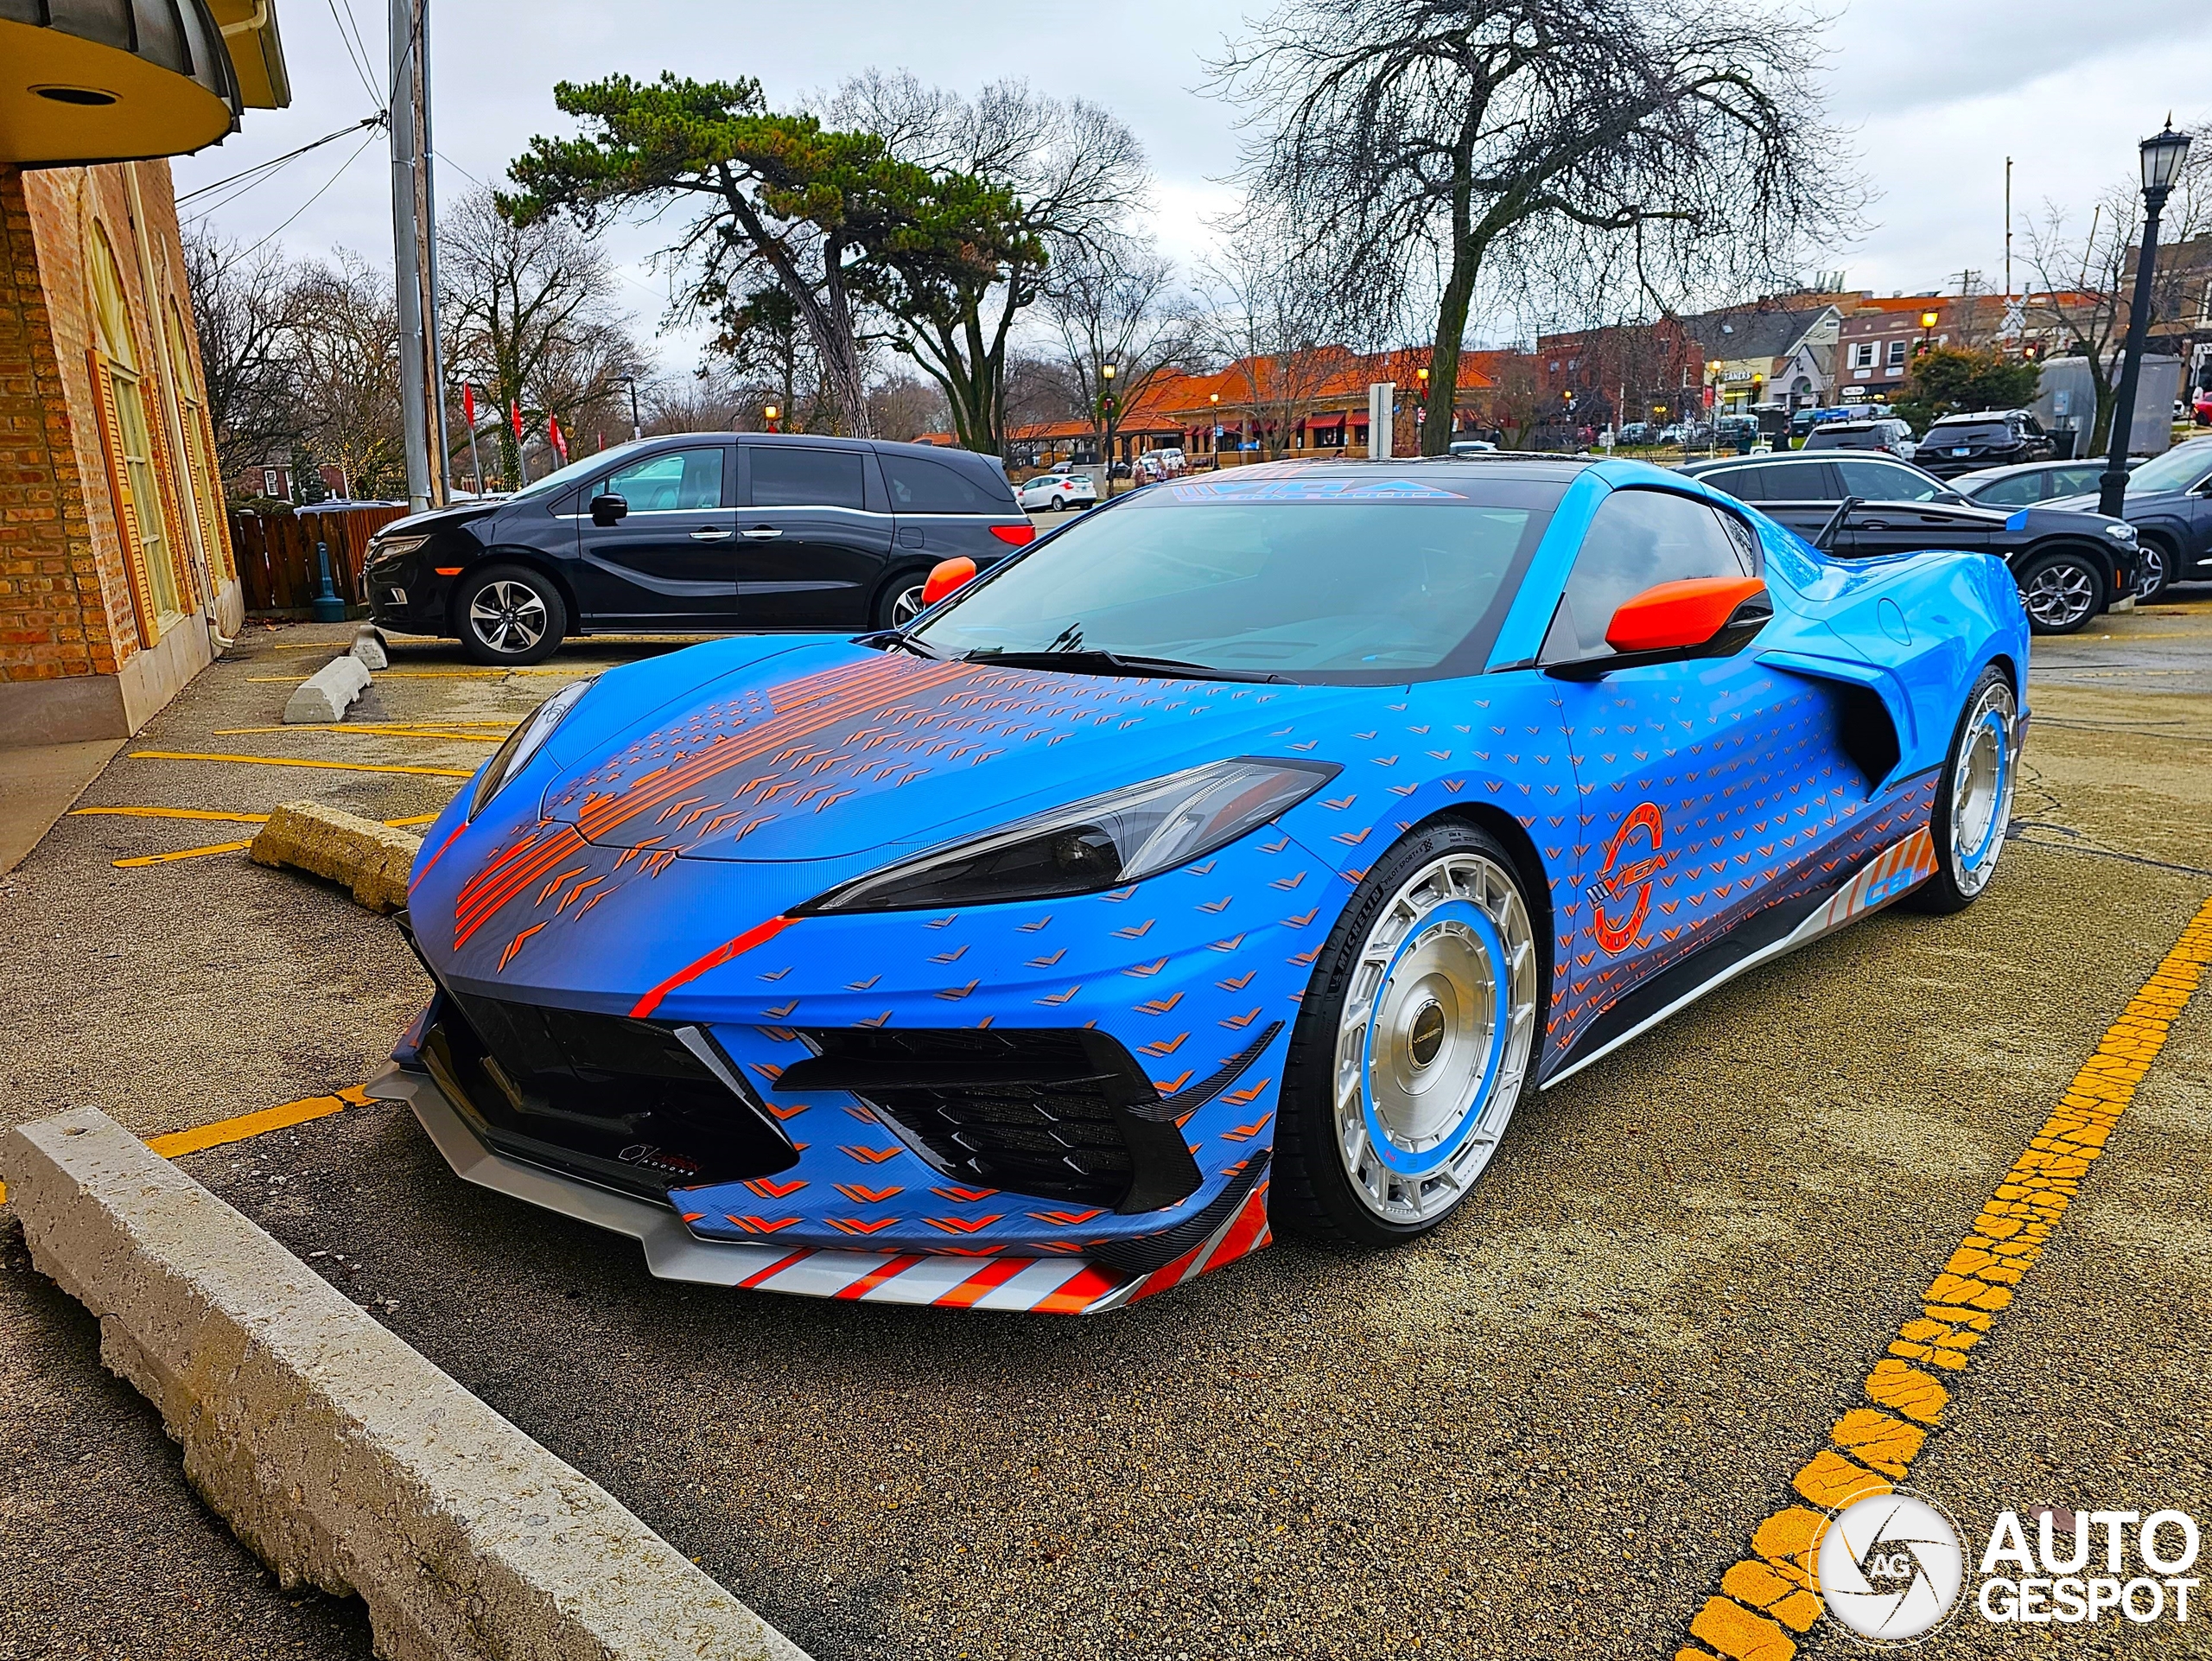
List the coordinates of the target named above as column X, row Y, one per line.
column 1884, row 481
column 1798, row 481
column 921, row 486
column 2015, row 491
column 1744, row 484
column 674, row 482
column 797, row 475
column 1637, row 539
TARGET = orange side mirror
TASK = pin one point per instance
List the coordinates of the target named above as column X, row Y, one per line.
column 1677, row 616
column 949, row 575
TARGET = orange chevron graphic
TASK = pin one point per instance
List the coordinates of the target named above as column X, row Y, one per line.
column 1065, row 1218
column 1246, row 1132
column 1061, row 997
column 1158, row 1006
column 964, row 1196
column 769, row 1188
column 787, row 1112
column 1163, row 1045
column 1169, row 1086
column 871, row 1155
column 1236, row 985
column 860, row 1196
column 1239, row 1022
column 1247, row 1097
column 963, row 1224
column 855, row 1225
column 760, row 1225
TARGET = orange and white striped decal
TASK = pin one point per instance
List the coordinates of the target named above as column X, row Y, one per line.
column 1896, row 870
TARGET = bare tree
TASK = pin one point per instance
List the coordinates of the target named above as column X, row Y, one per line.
column 1272, row 313
column 1078, row 174
column 2087, row 278
column 343, row 365
column 244, row 308
column 530, row 318
column 1118, row 307
column 1537, row 136
column 905, row 406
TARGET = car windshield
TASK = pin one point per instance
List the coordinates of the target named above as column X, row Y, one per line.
column 2178, row 469
column 1362, row 580
column 576, row 472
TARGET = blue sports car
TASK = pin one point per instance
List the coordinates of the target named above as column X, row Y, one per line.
column 1238, row 856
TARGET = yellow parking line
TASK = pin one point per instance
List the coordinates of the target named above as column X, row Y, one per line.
column 498, row 737
column 1870, row 1448
column 176, row 813
column 246, row 1126
column 300, row 761
column 138, row 860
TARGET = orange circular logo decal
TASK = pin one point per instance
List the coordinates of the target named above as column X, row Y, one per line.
column 1624, row 875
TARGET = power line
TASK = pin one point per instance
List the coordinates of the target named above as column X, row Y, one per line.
column 353, row 56
column 276, row 162
column 245, row 252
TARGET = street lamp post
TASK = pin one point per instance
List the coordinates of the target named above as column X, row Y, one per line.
column 2163, row 153
column 636, row 431
column 771, row 415
column 1712, row 409
column 1928, row 321
column 1106, row 413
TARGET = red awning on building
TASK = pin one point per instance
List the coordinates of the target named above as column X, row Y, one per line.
column 1322, row 423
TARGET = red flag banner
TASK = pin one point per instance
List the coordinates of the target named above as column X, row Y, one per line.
column 514, row 413
column 553, row 436
column 468, row 404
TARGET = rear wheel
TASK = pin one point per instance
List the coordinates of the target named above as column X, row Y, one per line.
column 1973, row 802
column 902, row 602
column 2062, row 590
column 1412, row 1045
column 509, row 615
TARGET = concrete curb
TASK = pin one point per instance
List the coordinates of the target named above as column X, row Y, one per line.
column 326, row 695
column 371, row 859
column 340, row 1456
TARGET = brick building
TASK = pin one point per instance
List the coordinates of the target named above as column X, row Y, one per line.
column 116, row 569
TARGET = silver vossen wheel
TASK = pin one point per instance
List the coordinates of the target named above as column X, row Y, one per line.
column 509, row 618
column 1438, row 1024
column 2060, row 593
column 1981, row 788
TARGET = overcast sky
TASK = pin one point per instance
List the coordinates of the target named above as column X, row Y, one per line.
column 1932, row 98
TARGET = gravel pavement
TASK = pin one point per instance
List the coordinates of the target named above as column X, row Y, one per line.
column 1542, row 1431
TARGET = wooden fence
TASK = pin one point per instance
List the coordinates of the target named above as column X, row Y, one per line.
column 276, row 559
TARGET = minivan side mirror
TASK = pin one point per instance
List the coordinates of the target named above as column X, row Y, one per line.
column 607, row 510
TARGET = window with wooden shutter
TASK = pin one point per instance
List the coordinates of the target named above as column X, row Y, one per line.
column 141, row 506
column 196, row 476
column 126, row 510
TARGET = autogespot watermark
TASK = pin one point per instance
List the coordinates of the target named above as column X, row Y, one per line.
column 1894, row 1566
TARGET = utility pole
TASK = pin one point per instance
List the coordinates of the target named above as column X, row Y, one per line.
column 419, row 392
column 2008, row 230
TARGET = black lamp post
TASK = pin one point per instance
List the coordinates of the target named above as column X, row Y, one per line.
column 2162, row 158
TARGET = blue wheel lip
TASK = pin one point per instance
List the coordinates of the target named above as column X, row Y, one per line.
column 1493, row 943
column 1994, row 832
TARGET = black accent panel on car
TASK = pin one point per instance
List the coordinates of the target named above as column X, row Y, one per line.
column 1146, row 1252
column 634, row 1106
column 1868, row 735
column 1058, row 1113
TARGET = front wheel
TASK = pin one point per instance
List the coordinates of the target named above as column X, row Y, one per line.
column 510, row 615
column 1413, row 1043
column 2061, row 591
column 2154, row 571
column 1973, row 801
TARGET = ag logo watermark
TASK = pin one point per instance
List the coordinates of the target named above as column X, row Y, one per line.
column 1891, row 1565
column 1892, row 1568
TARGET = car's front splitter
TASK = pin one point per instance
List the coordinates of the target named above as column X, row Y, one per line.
column 1054, row 1285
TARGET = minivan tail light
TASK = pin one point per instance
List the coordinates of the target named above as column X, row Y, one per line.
column 1019, row 535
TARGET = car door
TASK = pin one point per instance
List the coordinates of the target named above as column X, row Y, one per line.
column 814, row 538
column 1702, row 782
column 1902, row 514
column 667, row 562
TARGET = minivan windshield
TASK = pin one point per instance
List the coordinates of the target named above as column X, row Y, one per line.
column 575, row 471
column 1327, row 578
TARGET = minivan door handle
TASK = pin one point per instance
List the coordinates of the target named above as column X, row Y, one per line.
column 710, row 533
column 762, row 533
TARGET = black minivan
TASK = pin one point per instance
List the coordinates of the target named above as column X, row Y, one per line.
column 695, row 533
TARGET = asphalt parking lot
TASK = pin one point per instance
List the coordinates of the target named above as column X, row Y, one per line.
column 1545, row 1430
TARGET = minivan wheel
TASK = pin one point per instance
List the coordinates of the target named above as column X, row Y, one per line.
column 901, row 602
column 509, row 615
column 2061, row 591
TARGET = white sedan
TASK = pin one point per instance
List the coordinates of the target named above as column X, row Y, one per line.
column 1048, row 493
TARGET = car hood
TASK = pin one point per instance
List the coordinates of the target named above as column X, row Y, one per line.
column 832, row 749
column 442, row 518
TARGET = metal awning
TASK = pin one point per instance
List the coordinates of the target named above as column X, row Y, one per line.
column 114, row 80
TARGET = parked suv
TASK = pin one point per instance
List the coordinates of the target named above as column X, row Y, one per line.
column 2170, row 504
column 1881, row 433
column 2070, row 564
column 1993, row 438
column 695, row 534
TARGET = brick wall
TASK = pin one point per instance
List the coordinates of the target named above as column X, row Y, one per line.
column 54, row 615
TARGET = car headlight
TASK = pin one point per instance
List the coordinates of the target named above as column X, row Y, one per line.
column 2124, row 533
column 393, row 547
column 1122, row 836
column 524, row 742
